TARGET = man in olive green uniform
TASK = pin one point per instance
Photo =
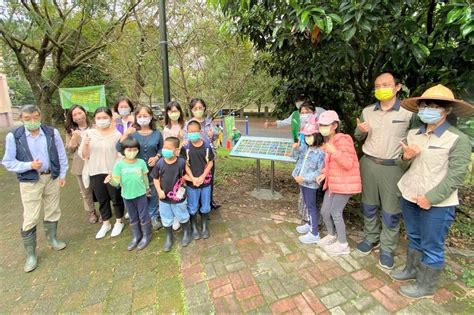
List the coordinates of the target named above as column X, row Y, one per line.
column 382, row 126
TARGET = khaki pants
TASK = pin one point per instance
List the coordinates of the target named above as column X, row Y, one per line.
column 87, row 196
column 41, row 194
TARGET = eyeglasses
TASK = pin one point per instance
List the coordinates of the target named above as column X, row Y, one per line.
column 427, row 104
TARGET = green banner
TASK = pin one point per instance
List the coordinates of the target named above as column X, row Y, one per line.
column 90, row 97
column 229, row 122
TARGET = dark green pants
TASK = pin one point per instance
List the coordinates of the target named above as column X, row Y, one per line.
column 381, row 203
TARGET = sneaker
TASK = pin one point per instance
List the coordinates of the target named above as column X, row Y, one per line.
column 386, row 260
column 156, row 223
column 303, row 229
column 328, row 240
column 309, row 238
column 118, row 227
column 104, row 229
column 365, row 247
column 338, row 249
column 176, row 224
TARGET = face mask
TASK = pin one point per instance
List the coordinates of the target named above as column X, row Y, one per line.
column 32, row 125
column 430, row 115
column 309, row 140
column 130, row 154
column 298, row 104
column 304, row 119
column 143, row 121
column 102, row 123
column 124, row 111
column 198, row 114
column 194, row 136
column 174, row 116
column 325, row 131
column 167, row 154
column 384, row 94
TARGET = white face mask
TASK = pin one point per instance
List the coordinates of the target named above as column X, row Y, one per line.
column 143, row 121
column 298, row 104
column 124, row 111
column 102, row 123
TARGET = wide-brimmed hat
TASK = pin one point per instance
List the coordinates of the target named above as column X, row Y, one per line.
column 328, row 117
column 311, row 126
column 441, row 93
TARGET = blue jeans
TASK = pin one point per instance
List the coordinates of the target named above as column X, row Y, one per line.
column 309, row 197
column 137, row 209
column 194, row 195
column 427, row 230
column 169, row 211
column 153, row 202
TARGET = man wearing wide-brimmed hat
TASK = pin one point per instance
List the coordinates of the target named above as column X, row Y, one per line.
column 437, row 156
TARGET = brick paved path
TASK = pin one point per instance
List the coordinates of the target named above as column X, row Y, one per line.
column 250, row 264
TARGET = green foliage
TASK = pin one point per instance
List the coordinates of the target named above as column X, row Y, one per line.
column 427, row 42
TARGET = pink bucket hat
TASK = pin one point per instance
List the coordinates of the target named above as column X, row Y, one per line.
column 328, row 117
column 311, row 126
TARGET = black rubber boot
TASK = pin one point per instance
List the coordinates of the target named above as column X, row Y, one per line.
column 50, row 229
column 136, row 235
column 195, row 231
column 205, row 225
column 29, row 241
column 146, row 238
column 411, row 266
column 186, row 233
column 426, row 282
column 169, row 239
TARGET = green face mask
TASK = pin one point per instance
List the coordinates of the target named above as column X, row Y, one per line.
column 174, row 116
column 198, row 113
column 384, row 94
column 325, row 131
column 32, row 125
column 130, row 154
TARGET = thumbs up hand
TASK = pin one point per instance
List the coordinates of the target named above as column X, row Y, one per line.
column 410, row 151
column 362, row 126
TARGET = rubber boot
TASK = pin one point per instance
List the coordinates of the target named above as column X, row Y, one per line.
column 186, row 233
column 411, row 266
column 169, row 239
column 146, row 238
column 29, row 241
column 426, row 282
column 50, row 229
column 205, row 225
column 195, row 231
column 136, row 235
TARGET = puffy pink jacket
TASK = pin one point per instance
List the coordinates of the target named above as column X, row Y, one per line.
column 342, row 167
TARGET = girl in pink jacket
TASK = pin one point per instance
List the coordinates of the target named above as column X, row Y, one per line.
column 342, row 180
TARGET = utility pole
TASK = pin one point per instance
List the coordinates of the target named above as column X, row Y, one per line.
column 164, row 54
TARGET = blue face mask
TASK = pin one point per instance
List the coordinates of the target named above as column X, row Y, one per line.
column 430, row 115
column 194, row 136
column 167, row 154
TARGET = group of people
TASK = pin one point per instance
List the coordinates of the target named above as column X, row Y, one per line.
column 122, row 162
column 412, row 165
column 414, row 159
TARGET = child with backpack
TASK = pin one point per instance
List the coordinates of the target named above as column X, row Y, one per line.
column 199, row 161
column 169, row 175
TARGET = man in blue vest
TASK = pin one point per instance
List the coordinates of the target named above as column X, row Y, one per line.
column 36, row 153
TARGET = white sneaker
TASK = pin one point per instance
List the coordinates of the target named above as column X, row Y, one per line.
column 303, row 229
column 328, row 240
column 118, row 227
column 309, row 238
column 338, row 249
column 176, row 224
column 104, row 229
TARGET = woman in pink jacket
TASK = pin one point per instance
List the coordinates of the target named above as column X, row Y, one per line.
column 342, row 180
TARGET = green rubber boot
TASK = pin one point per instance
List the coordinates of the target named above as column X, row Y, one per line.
column 29, row 241
column 50, row 229
column 411, row 266
column 425, row 285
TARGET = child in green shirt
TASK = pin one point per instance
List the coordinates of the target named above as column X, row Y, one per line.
column 132, row 175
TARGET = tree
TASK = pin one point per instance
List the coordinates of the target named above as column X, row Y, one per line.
column 51, row 39
column 334, row 49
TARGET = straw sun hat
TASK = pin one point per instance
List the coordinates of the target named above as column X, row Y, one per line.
column 442, row 93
